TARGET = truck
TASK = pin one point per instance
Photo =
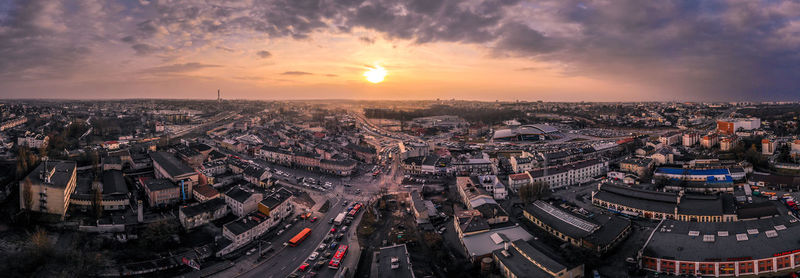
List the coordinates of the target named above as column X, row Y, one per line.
column 339, row 219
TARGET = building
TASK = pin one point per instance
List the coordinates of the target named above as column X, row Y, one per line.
column 200, row 214
column 764, row 247
column 364, row 153
column 519, row 259
column 515, row 181
column 727, row 144
column 474, row 166
column 33, row 140
column 242, row 201
column 204, row 193
column 392, row 262
column 482, row 243
column 12, row 123
column 536, row 132
column 670, row 138
column 167, row 166
column 521, row 164
column 570, row 174
column 277, row 205
column 658, row 205
column 160, row 192
column 731, row 125
column 713, row 180
column 637, row 166
column 767, row 147
column 51, row 186
column 242, row 231
column 709, row 141
column 475, row 197
column 599, row 234
column 690, row 139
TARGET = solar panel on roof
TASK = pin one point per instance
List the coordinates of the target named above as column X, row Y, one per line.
column 780, row 227
column 694, row 233
column 566, row 217
column 722, row 233
column 741, row 237
column 752, row 231
column 708, row 238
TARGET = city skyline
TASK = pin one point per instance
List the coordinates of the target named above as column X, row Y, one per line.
column 481, row 50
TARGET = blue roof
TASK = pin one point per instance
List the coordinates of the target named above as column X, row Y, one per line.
column 681, row 171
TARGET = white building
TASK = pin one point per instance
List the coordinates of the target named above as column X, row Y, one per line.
column 570, row 174
column 242, row 201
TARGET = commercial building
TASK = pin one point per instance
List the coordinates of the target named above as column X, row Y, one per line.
column 167, row 166
column 764, row 247
column 696, row 180
column 637, row 166
column 200, row 214
column 392, row 262
column 598, row 234
column 519, row 259
column 570, row 174
column 664, row 205
column 51, row 185
column 536, row 132
column 731, row 125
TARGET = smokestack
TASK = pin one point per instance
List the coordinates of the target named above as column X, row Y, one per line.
column 140, row 211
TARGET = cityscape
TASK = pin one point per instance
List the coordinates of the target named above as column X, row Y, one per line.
column 379, row 138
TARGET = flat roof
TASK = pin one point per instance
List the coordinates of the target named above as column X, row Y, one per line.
column 745, row 240
column 384, row 259
column 171, row 164
column 693, row 172
column 60, row 172
column 482, row 243
column 561, row 220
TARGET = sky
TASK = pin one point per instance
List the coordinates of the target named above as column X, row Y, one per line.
column 559, row 50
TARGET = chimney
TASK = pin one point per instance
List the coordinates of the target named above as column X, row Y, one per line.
column 505, row 246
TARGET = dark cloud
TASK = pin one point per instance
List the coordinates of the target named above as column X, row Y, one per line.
column 367, row 40
column 264, row 54
column 296, row 73
column 144, row 49
column 178, row 68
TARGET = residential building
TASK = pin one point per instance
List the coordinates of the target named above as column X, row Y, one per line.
column 167, row 166
column 242, row 201
column 731, row 125
column 709, row 141
column 202, row 213
column 767, row 147
column 570, row 174
column 515, row 181
column 690, row 139
column 637, row 166
column 205, row 192
column 521, row 164
column 33, row 140
column 670, row 138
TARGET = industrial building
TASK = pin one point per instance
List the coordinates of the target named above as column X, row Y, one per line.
column 598, row 234
column 536, row 132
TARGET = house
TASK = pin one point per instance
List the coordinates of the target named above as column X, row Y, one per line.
column 521, row 164
column 277, row 205
column 515, row 181
column 205, row 192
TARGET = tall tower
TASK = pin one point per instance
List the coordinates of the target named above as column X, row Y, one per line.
column 219, row 98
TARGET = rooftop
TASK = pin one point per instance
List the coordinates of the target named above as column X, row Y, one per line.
column 59, row 172
column 171, row 164
column 393, row 262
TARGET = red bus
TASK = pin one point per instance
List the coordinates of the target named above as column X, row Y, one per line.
column 337, row 257
column 297, row 239
column 353, row 211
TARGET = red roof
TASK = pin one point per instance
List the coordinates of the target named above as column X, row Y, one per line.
column 206, row 191
column 520, row 176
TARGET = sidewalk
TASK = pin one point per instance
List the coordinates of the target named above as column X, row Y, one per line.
column 351, row 261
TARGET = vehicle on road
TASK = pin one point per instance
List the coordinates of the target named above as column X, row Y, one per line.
column 313, row 256
column 280, row 232
column 337, row 257
column 330, row 221
column 302, row 235
column 314, row 219
column 333, row 245
column 339, row 218
column 344, row 229
column 250, row 252
column 303, row 267
column 321, row 247
column 333, row 230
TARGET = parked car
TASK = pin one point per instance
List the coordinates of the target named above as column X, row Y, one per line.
column 321, row 247
column 303, row 267
column 313, row 256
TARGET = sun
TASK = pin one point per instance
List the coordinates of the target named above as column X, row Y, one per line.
column 376, row 74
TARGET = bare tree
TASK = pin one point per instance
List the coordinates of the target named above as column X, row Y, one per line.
column 27, row 197
column 97, row 202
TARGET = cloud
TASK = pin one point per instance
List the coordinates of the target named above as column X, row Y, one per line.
column 264, row 54
column 296, row 73
column 178, row 68
column 367, row 40
column 144, row 49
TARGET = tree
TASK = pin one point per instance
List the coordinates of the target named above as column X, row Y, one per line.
column 97, row 202
column 27, row 197
column 532, row 191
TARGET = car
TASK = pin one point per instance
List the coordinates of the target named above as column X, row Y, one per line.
column 330, row 221
column 320, row 264
column 339, row 236
column 333, row 246
column 344, row 229
column 280, row 232
column 333, row 230
column 344, row 204
column 287, row 226
column 314, row 219
column 313, row 256
column 250, row 252
column 303, row 267
column 327, row 254
column 321, row 247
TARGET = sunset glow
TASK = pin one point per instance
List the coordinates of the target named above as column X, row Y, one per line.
column 376, row 74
